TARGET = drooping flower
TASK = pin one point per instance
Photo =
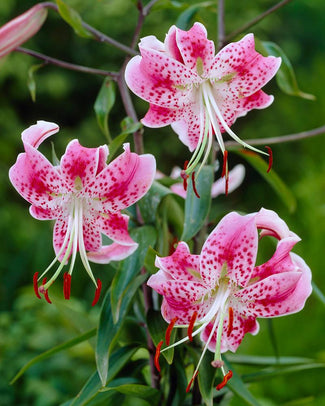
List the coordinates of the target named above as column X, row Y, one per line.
column 221, row 292
column 198, row 93
column 85, row 196
column 236, row 177
column 21, row 28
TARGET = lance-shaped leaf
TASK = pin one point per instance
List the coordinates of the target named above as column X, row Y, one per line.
column 184, row 20
column 286, row 78
column 197, row 209
column 103, row 105
column 138, row 391
column 149, row 203
column 31, row 80
column 144, row 236
column 108, row 330
column 71, row 17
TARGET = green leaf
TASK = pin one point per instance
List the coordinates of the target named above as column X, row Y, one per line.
column 184, row 20
column 131, row 266
column 92, row 387
column 103, row 105
column 157, row 328
column 206, row 378
column 237, row 386
column 319, row 294
column 270, row 327
column 258, row 360
column 139, row 391
column 149, row 203
column 197, row 209
column 71, row 17
column 285, row 77
column 108, row 330
column 68, row 344
column 272, row 178
column 149, row 261
column 31, row 84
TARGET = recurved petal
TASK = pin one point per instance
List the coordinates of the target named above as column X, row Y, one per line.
column 124, row 181
column 113, row 252
column 233, row 242
column 281, row 260
column 258, row 100
column 35, row 178
column 278, row 294
column 115, row 226
column 181, row 265
column 240, row 326
column 37, row 133
column 196, row 50
column 271, row 224
column 81, row 164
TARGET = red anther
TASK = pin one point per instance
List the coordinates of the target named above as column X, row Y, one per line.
column 194, row 187
column 191, row 325
column 45, row 291
column 184, row 176
column 97, row 293
column 66, row 285
column 36, row 285
column 225, row 164
column 225, row 380
column 269, row 150
column 191, row 381
column 157, row 355
column 185, row 165
column 169, row 330
column 230, row 321
column 227, row 184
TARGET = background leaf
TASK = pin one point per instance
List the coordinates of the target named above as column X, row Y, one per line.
column 71, row 17
column 104, row 102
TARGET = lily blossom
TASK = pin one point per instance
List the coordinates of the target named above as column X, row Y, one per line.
column 21, row 28
column 198, row 93
column 85, row 196
column 221, row 292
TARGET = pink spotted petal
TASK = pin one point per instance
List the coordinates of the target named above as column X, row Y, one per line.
column 59, row 233
column 258, row 100
column 102, row 158
column 234, row 242
column 160, row 80
column 171, row 45
column 113, row 252
column 80, row 163
column 179, row 190
column 124, row 181
column 115, row 226
column 45, row 213
column 193, row 45
column 271, row 224
column 35, row 178
column 248, row 70
column 181, row 265
column 273, row 296
column 91, row 233
column 281, row 261
column 236, row 177
column 184, row 313
column 241, row 326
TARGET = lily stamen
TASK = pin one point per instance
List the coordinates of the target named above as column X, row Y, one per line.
column 230, row 321
column 97, row 292
column 169, row 330
column 157, row 355
column 35, row 284
column 269, row 150
column 191, row 325
column 225, row 380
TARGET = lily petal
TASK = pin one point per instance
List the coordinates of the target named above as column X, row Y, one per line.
column 115, row 226
column 113, row 252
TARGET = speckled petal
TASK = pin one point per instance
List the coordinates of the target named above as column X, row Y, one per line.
column 193, row 44
column 37, row 133
column 160, row 80
column 181, row 265
column 113, row 252
column 45, row 213
column 123, row 182
column 171, row 45
column 115, row 226
column 241, row 326
column 272, row 296
column 244, row 70
column 91, row 233
column 281, row 260
column 59, row 233
column 234, row 242
column 79, row 162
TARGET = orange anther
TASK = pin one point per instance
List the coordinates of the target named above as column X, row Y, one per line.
column 191, row 326
column 269, row 150
column 191, row 381
column 169, row 330
column 225, row 380
column 157, row 355
column 97, row 293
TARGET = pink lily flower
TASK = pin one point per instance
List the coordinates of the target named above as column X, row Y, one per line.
column 85, row 196
column 222, row 291
column 21, row 28
column 198, row 93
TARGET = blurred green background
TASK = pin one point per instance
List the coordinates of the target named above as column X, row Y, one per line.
column 29, row 326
